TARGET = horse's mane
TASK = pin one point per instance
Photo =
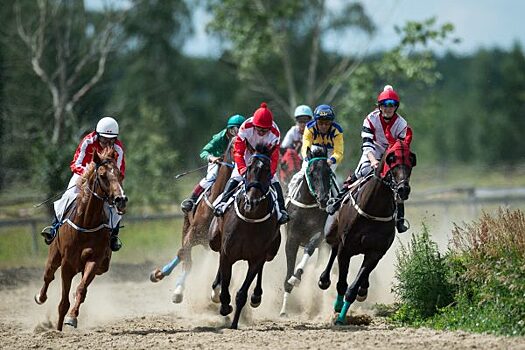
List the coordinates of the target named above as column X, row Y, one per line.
column 83, row 181
column 318, row 151
column 263, row 149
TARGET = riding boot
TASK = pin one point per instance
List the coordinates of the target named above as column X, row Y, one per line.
column 188, row 203
column 114, row 242
column 231, row 185
column 280, row 201
column 49, row 232
column 400, row 218
column 335, row 204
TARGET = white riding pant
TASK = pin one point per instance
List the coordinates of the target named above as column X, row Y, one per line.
column 364, row 167
column 211, row 175
column 71, row 194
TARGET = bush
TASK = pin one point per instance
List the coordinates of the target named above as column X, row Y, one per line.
column 422, row 283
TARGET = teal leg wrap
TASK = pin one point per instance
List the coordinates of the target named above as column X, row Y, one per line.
column 166, row 270
column 341, row 319
column 338, row 304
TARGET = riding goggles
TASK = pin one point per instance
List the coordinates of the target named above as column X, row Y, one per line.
column 389, row 103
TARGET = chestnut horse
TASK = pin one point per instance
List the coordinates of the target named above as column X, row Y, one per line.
column 290, row 163
column 196, row 226
column 82, row 243
column 247, row 231
column 365, row 225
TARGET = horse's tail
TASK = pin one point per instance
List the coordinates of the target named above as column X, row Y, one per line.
column 86, row 254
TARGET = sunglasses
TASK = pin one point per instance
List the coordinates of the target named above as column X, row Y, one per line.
column 389, row 103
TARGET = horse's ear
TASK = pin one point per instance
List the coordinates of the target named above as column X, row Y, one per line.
column 390, row 158
column 96, row 157
column 309, row 153
column 413, row 160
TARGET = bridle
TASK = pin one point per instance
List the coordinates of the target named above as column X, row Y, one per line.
column 311, row 188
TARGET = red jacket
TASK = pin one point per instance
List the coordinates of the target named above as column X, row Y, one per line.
column 86, row 148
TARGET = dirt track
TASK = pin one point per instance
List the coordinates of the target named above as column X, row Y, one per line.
column 123, row 310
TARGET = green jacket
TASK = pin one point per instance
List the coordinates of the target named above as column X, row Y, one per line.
column 216, row 147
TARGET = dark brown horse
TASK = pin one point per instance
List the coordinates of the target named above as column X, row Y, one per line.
column 366, row 225
column 247, row 231
column 196, row 226
column 306, row 207
column 82, row 243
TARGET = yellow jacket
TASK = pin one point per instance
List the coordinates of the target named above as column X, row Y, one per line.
column 333, row 140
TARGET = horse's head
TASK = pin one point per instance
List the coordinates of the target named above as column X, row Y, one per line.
column 396, row 168
column 108, row 180
column 318, row 174
column 258, row 175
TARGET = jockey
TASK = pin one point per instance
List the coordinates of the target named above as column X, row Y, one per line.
column 323, row 131
column 382, row 127
column 294, row 137
column 259, row 129
column 212, row 153
column 105, row 135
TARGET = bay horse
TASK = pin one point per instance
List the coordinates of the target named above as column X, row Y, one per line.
column 306, row 207
column 82, row 243
column 248, row 231
column 196, row 226
column 366, row 225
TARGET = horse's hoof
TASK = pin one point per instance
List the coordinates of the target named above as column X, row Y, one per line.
column 71, row 321
column 226, row 310
column 176, row 298
column 216, row 295
column 255, row 301
column 324, row 284
column 362, row 294
column 283, row 314
column 37, row 299
column 338, row 322
column 156, row 275
column 294, row 281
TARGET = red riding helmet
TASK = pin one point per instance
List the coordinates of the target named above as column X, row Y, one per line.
column 388, row 93
column 263, row 117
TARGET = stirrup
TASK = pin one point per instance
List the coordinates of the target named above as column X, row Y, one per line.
column 49, row 233
column 284, row 217
column 219, row 209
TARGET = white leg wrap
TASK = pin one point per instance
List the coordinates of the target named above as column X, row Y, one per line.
column 303, row 262
column 285, row 301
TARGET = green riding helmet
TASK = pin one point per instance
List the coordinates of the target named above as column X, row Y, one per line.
column 235, row 120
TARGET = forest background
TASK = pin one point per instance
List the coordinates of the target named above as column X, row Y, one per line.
column 64, row 65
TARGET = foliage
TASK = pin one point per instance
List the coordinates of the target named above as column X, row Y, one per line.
column 487, row 267
column 422, row 285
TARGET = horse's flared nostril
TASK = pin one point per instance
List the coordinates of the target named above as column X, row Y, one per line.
column 404, row 192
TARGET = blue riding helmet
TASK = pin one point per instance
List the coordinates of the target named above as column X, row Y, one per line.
column 324, row 112
column 235, row 120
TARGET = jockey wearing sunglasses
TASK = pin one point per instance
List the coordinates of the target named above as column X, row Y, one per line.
column 259, row 129
column 212, row 154
column 105, row 135
column 381, row 127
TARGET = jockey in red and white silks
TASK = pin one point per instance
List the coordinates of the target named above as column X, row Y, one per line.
column 378, row 132
column 259, row 129
column 105, row 135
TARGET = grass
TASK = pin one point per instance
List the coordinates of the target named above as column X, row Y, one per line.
column 142, row 241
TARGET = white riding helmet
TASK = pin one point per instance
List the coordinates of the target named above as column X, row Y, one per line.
column 303, row 110
column 107, row 127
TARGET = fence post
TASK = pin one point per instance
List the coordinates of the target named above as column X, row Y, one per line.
column 34, row 236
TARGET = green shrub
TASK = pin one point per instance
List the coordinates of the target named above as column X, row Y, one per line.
column 422, row 283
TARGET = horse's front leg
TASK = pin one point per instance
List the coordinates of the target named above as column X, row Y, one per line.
column 324, row 279
column 67, row 274
column 369, row 263
column 225, row 269
column 215, row 288
column 291, row 248
column 242, row 294
column 52, row 264
column 309, row 250
column 87, row 277
column 255, row 300
column 186, row 268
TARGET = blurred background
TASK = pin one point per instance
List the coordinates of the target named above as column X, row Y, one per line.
column 172, row 71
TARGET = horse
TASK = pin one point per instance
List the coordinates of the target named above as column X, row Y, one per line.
column 82, row 243
column 248, row 231
column 306, row 207
column 289, row 164
column 366, row 225
column 196, row 226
